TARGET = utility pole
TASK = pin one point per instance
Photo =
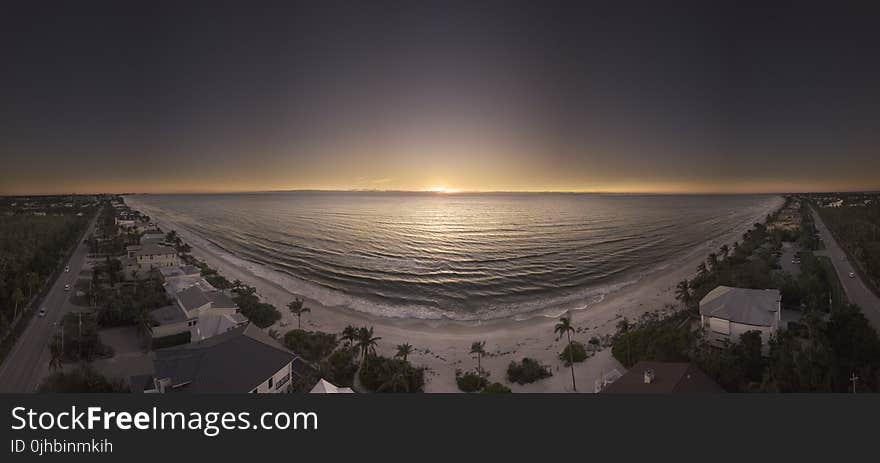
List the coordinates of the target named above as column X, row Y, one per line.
column 854, row 379
column 80, row 333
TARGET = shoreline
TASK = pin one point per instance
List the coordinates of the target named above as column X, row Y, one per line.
column 442, row 345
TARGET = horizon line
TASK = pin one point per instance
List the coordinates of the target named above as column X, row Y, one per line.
column 451, row 192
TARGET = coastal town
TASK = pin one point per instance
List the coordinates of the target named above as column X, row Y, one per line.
column 132, row 306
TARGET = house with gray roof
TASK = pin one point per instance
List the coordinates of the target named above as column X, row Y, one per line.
column 241, row 360
column 726, row 313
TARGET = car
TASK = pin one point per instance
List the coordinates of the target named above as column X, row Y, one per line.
column 852, row 275
column 42, row 312
column 67, row 269
column 67, row 287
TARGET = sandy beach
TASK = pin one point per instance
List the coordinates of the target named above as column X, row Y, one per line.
column 443, row 345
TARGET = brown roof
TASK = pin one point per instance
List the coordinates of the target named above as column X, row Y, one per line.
column 669, row 378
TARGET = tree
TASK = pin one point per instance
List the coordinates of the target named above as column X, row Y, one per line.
column 296, row 308
column 32, row 280
column 725, row 250
column 701, row 269
column 366, row 341
column 683, row 293
column 394, row 378
column 712, row 260
column 56, row 350
column 349, row 335
column 144, row 323
column 564, row 327
column 478, row 350
column 403, row 350
column 17, row 299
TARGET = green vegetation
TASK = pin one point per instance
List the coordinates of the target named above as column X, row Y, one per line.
column 259, row 313
column 496, row 388
column 126, row 303
column 310, row 345
column 857, row 230
column 527, row 371
column 564, row 327
column 81, row 380
column 340, row 367
column 478, row 350
column 80, row 340
column 32, row 249
column 833, row 341
column 172, row 340
column 471, row 381
column 573, row 353
column 383, row 374
column 296, row 308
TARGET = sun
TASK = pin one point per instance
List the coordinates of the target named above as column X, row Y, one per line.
column 440, row 189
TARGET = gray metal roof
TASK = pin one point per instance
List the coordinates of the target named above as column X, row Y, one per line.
column 168, row 314
column 220, row 300
column 192, row 298
column 755, row 307
column 151, row 249
column 235, row 361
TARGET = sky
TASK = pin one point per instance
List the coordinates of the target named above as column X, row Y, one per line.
column 471, row 96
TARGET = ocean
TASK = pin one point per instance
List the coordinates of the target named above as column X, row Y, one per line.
column 456, row 256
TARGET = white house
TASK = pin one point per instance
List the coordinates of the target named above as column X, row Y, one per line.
column 726, row 313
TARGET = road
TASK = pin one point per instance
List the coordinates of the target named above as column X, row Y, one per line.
column 855, row 288
column 28, row 361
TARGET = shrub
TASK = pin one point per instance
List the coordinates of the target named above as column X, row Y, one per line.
column 340, row 367
column 471, row 381
column 496, row 388
column 527, row 371
column 84, row 379
column 382, row 374
column 578, row 353
column 261, row 314
column 310, row 345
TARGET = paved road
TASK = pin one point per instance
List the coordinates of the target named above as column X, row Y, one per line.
column 855, row 288
column 28, row 361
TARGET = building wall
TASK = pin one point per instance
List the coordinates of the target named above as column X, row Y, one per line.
column 718, row 330
column 280, row 382
column 158, row 260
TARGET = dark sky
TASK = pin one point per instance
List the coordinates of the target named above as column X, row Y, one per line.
column 168, row 96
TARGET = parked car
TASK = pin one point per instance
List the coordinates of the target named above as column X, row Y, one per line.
column 67, row 269
column 852, row 275
column 67, row 287
column 42, row 312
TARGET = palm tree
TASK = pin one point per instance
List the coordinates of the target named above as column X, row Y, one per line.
column 701, row 269
column 366, row 342
column 403, row 350
column 725, row 250
column 478, row 349
column 683, row 292
column 394, row 379
column 349, row 335
column 712, row 260
column 564, row 327
column 296, row 308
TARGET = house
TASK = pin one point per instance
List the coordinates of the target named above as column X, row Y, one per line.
column 326, row 387
column 649, row 377
column 153, row 235
column 726, row 313
column 203, row 312
column 242, row 360
column 153, row 255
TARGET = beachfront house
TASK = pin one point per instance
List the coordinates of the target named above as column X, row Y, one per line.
column 649, row 377
column 201, row 310
column 243, row 360
column 726, row 313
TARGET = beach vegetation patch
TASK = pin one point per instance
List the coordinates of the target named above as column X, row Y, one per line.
column 383, row 374
column 340, row 367
column 527, row 371
column 81, row 380
column 470, row 381
column 574, row 352
column 496, row 388
column 310, row 345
